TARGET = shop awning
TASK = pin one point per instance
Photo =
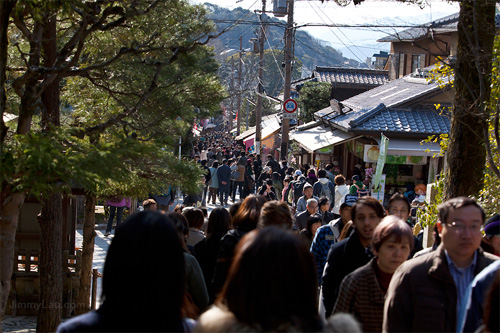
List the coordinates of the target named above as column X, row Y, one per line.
column 319, row 137
column 411, row 147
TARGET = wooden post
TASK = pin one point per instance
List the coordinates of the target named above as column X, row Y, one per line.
column 95, row 274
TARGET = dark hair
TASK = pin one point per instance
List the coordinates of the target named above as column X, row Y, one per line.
column 267, row 265
column 215, row 164
column 399, row 197
column 287, row 179
column 219, row 222
column 194, row 217
column 328, row 166
column 456, row 203
column 321, row 173
column 322, row 201
column 204, row 210
column 233, row 209
column 148, row 243
column 247, row 216
column 178, row 208
column 275, row 213
column 392, row 226
column 269, row 181
column 339, row 180
column 203, row 162
column 492, row 306
column 369, row 202
column 310, row 221
column 355, row 178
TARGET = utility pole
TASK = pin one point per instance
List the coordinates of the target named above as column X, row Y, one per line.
column 232, row 91
column 238, row 123
column 288, row 78
column 261, row 74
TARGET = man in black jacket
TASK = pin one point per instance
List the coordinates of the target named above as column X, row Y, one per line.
column 351, row 253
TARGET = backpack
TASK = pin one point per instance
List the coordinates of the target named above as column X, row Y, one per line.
column 326, row 192
column 298, row 188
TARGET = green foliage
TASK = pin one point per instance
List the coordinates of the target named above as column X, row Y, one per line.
column 314, row 96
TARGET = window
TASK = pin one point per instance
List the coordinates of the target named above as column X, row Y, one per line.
column 415, row 62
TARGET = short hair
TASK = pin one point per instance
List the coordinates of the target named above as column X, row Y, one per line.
column 311, row 171
column 269, row 181
column 322, row 201
column 287, row 179
column 203, row 162
column 328, row 166
column 310, row 201
column 369, row 202
column 270, row 156
column 456, row 203
column 392, row 226
column 194, row 216
column 247, row 216
column 321, row 173
column 215, row 164
column 275, row 213
column 148, row 242
column 148, row 202
column 339, row 180
column 266, row 266
column 399, row 197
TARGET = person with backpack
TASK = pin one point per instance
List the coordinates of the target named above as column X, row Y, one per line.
column 324, row 187
column 297, row 187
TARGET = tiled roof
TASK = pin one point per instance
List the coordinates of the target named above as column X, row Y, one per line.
column 344, row 75
column 439, row 26
column 397, row 106
column 405, row 121
column 442, row 25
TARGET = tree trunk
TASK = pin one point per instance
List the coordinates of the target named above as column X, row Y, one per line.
column 83, row 300
column 466, row 151
column 50, row 264
column 9, row 215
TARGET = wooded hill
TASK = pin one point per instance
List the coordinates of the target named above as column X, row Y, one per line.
column 311, row 51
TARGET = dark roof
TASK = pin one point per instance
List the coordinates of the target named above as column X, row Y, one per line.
column 347, row 75
column 403, row 121
column 442, row 25
column 397, row 106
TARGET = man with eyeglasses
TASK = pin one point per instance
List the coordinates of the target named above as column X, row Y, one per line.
column 425, row 292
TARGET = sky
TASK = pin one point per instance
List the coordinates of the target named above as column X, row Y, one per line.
column 355, row 43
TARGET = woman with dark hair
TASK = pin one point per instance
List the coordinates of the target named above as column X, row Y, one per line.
column 362, row 292
column 206, row 251
column 249, row 179
column 311, row 177
column 147, row 301
column 245, row 220
column 312, row 224
column 271, row 287
column 324, row 210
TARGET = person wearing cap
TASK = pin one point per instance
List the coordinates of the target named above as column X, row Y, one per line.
column 491, row 239
column 328, row 234
column 302, row 202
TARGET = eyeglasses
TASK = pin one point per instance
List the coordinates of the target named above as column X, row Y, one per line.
column 460, row 228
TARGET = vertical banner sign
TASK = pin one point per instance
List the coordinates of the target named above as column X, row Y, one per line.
column 384, row 145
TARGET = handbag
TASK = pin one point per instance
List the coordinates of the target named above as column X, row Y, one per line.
column 235, row 175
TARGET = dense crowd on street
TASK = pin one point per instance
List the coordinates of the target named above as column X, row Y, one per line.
column 294, row 248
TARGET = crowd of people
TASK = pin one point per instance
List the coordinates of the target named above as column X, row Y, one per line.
column 300, row 250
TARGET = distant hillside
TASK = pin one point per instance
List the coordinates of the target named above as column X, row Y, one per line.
column 311, row 51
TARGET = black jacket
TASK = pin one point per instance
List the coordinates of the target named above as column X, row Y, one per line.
column 343, row 258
